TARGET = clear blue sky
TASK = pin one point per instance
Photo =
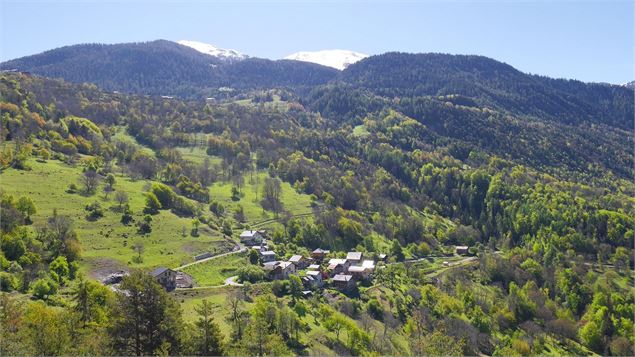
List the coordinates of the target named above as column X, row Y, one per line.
column 586, row 40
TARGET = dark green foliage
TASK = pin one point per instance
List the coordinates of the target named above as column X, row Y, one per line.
column 94, row 211
column 207, row 339
column 253, row 256
column 250, row 273
column 145, row 320
column 154, row 67
column 457, row 78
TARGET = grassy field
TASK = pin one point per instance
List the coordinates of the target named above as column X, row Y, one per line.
column 191, row 299
column 251, row 194
column 275, row 104
column 215, row 271
column 197, row 155
column 106, row 242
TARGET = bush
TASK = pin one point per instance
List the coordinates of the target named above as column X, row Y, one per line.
column 94, row 211
column 280, row 288
column 217, row 208
column 43, row 288
column 250, row 273
column 59, row 269
column 13, row 246
column 72, row 188
column 144, row 227
column 126, row 217
column 375, row 309
column 152, row 204
column 8, row 282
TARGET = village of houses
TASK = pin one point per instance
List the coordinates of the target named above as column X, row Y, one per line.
column 319, row 270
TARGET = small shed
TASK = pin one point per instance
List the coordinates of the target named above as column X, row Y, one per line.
column 166, row 277
column 462, row 250
column 315, row 267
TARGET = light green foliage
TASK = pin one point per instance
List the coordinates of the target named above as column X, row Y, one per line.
column 43, row 288
column 59, row 270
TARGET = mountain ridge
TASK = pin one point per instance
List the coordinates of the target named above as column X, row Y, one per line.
column 167, row 68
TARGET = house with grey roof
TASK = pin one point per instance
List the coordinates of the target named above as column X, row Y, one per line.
column 166, row 277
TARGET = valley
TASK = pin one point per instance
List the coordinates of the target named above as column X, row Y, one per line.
column 407, row 204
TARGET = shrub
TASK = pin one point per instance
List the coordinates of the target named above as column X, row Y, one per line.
column 280, row 288
column 375, row 309
column 216, row 208
column 8, row 282
column 94, row 211
column 43, row 288
column 152, row 204
column 250, row 273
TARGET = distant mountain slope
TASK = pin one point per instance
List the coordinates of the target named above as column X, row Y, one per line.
column 166, row 68
column 152, row 67
column 338, row 59
column 492, row 84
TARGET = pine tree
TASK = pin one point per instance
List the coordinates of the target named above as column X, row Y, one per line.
column 208, row 340
column 145, row 318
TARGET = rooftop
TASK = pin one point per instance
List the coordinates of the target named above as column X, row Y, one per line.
column 368, row 264
column 249, row 233
column 354, row 255
column 336, row 261
column 356, row 269
column 342, row 277
column 158, row 271
column 296, row 258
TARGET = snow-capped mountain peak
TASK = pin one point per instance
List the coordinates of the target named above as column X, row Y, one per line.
column 338, row 59
column 211, row 50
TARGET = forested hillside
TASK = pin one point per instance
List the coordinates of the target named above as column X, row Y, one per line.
column 166, row 68
column 394, row 155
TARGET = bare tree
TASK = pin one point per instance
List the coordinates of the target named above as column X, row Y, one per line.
column 90, row 180
column 235, row 300
column 121, row 197
column 139, row 248
column 271, row 195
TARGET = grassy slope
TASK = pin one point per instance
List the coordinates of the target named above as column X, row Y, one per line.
column 215, row 271
column 197, row 155
column 294, row 202
column 106, row 241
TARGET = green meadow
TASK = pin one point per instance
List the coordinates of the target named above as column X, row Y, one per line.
column 106, row 242
column 215, row 271
column 251, row 195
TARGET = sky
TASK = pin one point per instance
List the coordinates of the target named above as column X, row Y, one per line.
column 591, row 41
